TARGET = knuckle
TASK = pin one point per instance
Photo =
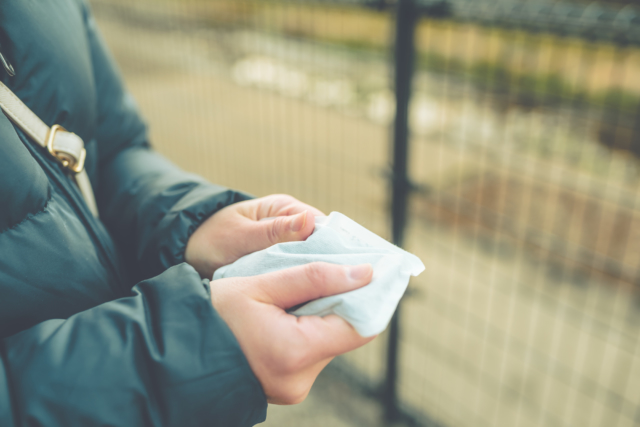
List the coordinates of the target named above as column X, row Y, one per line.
column 285, row 197
column 280, row 198
column 274, row 231
column 284, row 201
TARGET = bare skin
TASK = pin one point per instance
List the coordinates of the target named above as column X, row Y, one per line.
column 286, row 353
column 240, row 229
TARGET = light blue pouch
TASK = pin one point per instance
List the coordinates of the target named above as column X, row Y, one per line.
column 339, row 240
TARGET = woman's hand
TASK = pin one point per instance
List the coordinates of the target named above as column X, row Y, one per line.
column 237, row 230
column 286, row 353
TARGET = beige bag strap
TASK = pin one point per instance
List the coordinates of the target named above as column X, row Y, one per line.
column 66, row 147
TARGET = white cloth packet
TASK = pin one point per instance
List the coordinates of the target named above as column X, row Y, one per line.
column 340, row 240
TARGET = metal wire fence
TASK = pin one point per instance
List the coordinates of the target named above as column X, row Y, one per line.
column 522, row 128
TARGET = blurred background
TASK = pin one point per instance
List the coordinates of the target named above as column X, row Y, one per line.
column 498, row 140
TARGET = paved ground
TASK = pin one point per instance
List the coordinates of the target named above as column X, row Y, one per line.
column 493, row 335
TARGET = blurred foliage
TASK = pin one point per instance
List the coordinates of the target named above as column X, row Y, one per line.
column 528, row 89
column 528, row 69
column 518, row 69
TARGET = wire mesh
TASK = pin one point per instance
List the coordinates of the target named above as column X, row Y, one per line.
column 525, row 142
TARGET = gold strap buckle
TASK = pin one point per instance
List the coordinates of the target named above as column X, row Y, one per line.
column 68, row 161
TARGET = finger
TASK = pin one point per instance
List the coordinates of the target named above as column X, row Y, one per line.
column 282, row 229
column 298, row 207
column 292, row 286
column 329, row 336
column 259, row 235
column 283, row 205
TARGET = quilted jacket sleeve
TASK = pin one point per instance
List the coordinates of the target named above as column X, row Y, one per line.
column 149, row 204
column 161, row 357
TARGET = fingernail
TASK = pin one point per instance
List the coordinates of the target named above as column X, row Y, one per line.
column 359, row 272
column 298, row 222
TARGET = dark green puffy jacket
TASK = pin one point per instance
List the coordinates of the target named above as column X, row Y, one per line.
column 101, row 321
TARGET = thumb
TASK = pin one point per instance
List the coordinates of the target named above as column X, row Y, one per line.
column 292, row 286
column 292, row 228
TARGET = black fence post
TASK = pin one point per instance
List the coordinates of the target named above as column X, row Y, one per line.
column 404, row 52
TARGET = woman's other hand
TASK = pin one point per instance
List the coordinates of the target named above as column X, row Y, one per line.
column 243, row 228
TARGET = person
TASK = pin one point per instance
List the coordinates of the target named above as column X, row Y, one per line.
column 113, row 320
